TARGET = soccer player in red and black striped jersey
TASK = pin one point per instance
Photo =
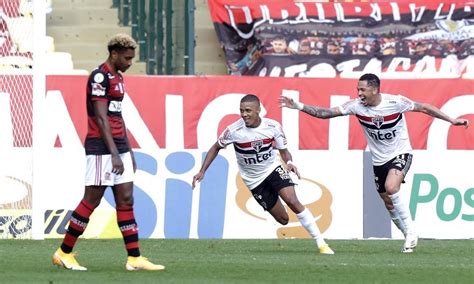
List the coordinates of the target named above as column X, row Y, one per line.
column 110, row 160
column 381, row 117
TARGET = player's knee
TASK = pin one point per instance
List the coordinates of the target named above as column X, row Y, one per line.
column 283, row 219
column 392, row 188
column 389, row 205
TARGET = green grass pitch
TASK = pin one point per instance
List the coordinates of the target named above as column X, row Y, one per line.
column 244, row 261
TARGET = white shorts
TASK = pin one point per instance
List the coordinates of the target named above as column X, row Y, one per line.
column 99, row 170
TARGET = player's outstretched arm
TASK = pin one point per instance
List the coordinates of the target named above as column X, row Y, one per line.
column 437, row 113
column 319, row 112
column 210, row 156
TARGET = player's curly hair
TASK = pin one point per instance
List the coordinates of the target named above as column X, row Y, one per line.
column 121, row 42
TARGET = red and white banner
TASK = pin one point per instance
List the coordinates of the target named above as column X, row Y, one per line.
column 189, row 112
column 172, row 122
column 396, row 39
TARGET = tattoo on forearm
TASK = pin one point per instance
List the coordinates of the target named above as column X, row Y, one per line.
column 318, row 112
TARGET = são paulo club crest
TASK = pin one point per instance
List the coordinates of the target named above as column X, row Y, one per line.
column 377, row 120
column 257, row 145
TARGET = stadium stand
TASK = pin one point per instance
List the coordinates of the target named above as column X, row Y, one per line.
column 82, row 28
column 210, row 59
column 16, row 41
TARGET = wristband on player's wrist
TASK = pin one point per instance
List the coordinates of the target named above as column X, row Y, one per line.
column 299, row 105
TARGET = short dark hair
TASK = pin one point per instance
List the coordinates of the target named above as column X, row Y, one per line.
column 121, row 42
column 372, row 80
column 250, row 98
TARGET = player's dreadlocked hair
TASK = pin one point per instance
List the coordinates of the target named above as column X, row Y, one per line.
column 250, row 98
column 121, row 42
column 372, row 80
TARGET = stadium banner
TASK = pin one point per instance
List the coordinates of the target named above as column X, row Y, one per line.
column 441, row 194
column 172, row 122
column 396, row 39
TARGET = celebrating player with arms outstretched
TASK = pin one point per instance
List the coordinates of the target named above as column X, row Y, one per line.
column 381, row 117
column 253, row 138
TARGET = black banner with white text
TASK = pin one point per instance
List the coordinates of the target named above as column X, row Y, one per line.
column 396, row 39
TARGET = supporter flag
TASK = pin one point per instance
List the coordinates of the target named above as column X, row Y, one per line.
column 402, row 39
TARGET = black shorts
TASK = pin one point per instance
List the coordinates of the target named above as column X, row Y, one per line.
column 401, row 162
column 266, row 193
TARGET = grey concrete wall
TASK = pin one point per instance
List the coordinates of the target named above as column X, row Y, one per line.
column 377, row 222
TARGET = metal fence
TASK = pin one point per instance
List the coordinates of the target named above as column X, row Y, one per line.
column 164, row 31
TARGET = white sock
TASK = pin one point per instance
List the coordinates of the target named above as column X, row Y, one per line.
column 307, row 220
column 397, row 221
column 404, row 214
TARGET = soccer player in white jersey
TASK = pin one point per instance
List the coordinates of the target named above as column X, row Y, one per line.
column 254, row 139
column 381, row 117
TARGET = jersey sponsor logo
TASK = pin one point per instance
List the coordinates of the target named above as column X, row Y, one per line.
column 227, row 134
column 119, row 88
column 97, row 90
column 115, row 106
column 382, row 135
column 399, row 162
column 99, row 78
column 257, row 158
column 284, row 175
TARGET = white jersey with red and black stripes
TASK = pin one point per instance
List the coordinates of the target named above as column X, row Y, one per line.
column 384, row 125
column 254, row 148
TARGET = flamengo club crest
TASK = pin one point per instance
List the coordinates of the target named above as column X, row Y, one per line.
column 257, row 145
column 378, row 121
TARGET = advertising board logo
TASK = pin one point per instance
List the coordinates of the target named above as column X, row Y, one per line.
column 15, row 216
column 321, row 209
column 452, row 204
column 179, row 196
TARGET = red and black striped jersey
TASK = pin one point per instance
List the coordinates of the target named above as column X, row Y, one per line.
column 107, row 86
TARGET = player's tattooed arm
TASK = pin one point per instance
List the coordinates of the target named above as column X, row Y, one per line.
column 437, row 113
column 321, row 112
